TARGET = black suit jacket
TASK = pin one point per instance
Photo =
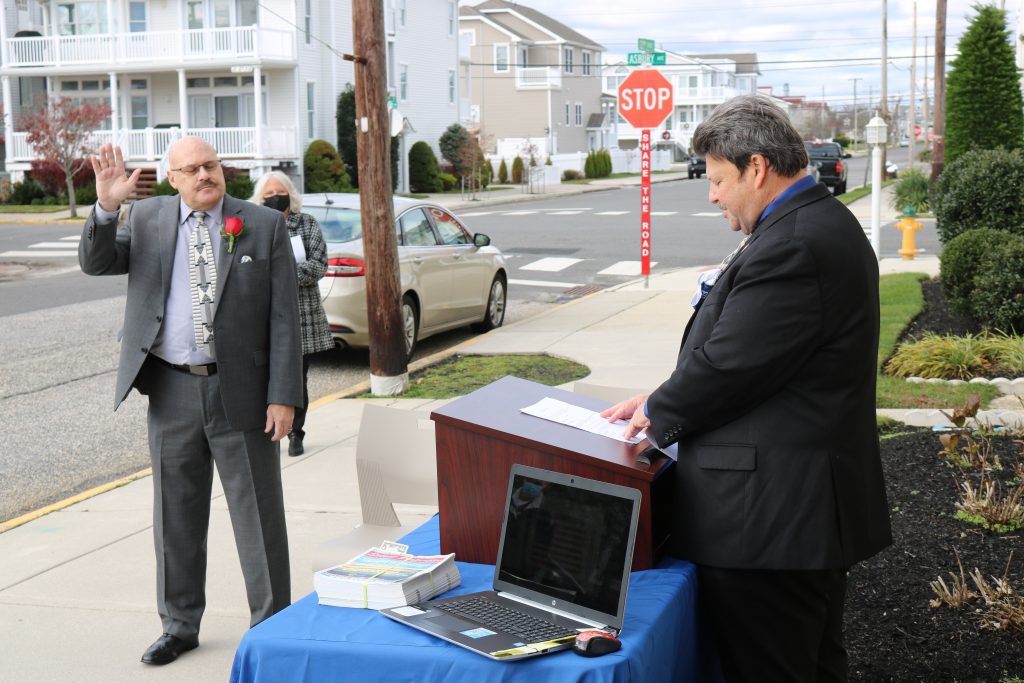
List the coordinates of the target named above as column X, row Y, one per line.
column 772, row 401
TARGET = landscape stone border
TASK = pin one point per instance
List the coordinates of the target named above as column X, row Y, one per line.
column 933, row 417
column 1009, row 387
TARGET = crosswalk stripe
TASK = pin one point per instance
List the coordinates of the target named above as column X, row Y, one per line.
column 551, row 264
column 543, row 283
column 664, row 213
column 716, row 214
column 624, row 268
column 515, row 213
column 611, row 213
column 566, row 213
column 72, row 238
column 476, row 213
column 38, row 254
column 49, row 245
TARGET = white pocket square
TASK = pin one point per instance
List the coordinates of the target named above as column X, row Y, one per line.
column 246, row 259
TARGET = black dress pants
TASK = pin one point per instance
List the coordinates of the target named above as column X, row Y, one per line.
column 772, row 625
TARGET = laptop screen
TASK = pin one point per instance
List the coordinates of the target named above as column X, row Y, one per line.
column 568, row 542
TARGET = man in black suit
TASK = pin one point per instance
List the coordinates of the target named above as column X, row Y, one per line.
column 779, row 485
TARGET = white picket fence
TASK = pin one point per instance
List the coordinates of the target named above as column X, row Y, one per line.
column 623, row 161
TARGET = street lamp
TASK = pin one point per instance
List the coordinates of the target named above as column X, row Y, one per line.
column 876, row 135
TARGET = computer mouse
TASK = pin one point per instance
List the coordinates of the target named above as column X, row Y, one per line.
column 595, row 643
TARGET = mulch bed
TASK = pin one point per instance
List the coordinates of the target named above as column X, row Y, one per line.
column 892, row 632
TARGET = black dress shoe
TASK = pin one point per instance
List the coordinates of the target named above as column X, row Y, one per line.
column 295, row 445
column 166, row 649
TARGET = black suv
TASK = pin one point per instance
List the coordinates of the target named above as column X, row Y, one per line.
column 828, row 157
column 696, row 166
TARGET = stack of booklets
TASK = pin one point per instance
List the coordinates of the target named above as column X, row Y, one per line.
column 381, row 578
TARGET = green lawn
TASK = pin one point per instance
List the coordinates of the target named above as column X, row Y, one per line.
column 32, row 208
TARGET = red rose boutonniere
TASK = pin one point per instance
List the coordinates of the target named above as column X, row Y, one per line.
column 232, row 230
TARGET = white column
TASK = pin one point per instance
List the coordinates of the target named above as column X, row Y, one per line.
column 876, row 200
column 115, row 107
column 257, row 90
column 8, row 121
column 182, row 102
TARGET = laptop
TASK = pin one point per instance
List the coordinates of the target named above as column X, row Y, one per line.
column 563, row 566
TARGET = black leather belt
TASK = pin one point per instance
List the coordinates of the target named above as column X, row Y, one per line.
column 201, row 370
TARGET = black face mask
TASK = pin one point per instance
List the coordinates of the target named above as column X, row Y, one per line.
column 278, row 202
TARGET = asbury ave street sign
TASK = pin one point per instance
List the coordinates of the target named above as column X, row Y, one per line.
column 645, row 58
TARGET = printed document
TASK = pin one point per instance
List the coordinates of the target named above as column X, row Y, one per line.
column 298, row 248
column 580, row 418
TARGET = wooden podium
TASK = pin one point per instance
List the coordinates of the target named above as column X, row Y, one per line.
column 481, row 435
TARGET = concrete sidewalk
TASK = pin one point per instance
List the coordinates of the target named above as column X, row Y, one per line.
column 77, row 586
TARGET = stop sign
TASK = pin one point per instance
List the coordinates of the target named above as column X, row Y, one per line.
column 645, row 98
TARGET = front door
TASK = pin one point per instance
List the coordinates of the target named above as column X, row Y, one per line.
column 200, row 111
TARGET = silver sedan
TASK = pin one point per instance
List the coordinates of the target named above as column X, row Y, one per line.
column 449, row 276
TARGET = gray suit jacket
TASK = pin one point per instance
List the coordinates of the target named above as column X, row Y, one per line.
column 772, row 401
column 259, row 350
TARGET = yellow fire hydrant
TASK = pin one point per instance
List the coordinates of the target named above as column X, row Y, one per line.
column 908, row 226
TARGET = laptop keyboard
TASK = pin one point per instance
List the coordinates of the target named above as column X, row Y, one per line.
column 501, row 618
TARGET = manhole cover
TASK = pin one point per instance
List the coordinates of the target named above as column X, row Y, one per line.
column 577, row 292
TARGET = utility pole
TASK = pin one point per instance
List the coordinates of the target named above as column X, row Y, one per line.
column 885, row 73
column 911, row 120
column 925, row 97
column 389, row 373
column 939, row 112
column 855, row 126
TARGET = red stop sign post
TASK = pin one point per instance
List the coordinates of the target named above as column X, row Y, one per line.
column 645, row 100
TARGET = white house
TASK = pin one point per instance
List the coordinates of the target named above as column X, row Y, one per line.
column 259, row 79
column 700, row 82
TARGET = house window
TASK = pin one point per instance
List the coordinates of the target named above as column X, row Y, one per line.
column 567, row 113
column 197, row 82
column 225, row 81
column 140, row 112
column 82, row 18
column 567, row 59
column 309, row 22
column 136, row 17
column 586, row 63
column 248, row 12
column 403, row 82
column 66, row 86
column 139, row 84
column 579, row 114
column 451, row 86
column 401, row 12
column 501, row 57
column 195, row 14
column 453, row 17
column 310, row 108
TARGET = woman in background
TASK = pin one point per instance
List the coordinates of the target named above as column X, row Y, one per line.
column 276, row 191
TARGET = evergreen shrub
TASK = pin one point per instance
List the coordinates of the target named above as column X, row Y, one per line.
column 324, row 169
column 423, row 171
column 981, row 189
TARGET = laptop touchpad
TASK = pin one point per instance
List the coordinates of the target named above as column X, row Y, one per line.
column 452, row 623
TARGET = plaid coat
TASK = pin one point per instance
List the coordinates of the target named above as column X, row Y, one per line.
column 315, row 335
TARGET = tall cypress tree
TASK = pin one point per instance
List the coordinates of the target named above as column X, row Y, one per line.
column 984, row 108
column 345, row 117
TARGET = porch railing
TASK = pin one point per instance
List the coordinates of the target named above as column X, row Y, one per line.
column 157, row 47
column 150, row 144
column 538, row 77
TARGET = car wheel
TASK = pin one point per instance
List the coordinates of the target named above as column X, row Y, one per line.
column 841, row 188
column 410, row 324
column 494, row 315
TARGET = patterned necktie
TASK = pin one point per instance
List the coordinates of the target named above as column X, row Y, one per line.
column 203, row 280
column 707, row 279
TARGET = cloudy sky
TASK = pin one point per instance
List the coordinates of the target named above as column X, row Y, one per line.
column 807, row 44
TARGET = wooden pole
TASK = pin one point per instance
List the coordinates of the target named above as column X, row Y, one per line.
column 911, row 120
column 388, row 370
column 939, row 110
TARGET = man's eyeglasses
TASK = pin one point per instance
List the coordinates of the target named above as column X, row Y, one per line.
column 192, row 169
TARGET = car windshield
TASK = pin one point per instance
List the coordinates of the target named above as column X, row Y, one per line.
column 337, row 224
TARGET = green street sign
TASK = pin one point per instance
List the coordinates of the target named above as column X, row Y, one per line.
column 645, row 45
column 645, row 58
column 392, row 102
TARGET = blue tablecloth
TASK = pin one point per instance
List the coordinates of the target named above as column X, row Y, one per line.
column 319, row 643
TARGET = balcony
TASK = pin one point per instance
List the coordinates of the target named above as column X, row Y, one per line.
column 154, row 49
column 150, row 144
column 539, row 77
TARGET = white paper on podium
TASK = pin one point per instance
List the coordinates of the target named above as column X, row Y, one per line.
column 298, row 248
column 580, row 418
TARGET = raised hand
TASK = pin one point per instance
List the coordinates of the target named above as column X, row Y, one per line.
column 112, row 186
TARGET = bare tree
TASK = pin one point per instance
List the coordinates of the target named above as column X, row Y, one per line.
column 60, row 131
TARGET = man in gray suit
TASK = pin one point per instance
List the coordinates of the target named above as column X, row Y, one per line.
column 778, row 484
column 211, row 336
